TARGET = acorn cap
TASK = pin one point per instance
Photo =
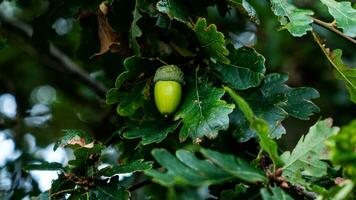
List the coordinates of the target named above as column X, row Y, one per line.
column 169, row 73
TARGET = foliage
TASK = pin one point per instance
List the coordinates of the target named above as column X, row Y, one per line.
column 342, row 149
column 296, row 21
column 211, row 41
column 344, row 15
column 277, row 193
column 223, row 141
column 305, row 160
column 189, row 170
column 342, row 71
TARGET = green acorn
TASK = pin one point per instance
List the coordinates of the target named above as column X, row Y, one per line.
column 168, row 88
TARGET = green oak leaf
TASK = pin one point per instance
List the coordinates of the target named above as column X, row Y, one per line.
column 234, row 165
column 135, row 31
column 211, row 41
column 344, row 15
column 296, row 21
column 109, row 190
column 259, row 125
column 61, row 184
column 341, row 70
column 306, row 157
column 134, row 66
column 274, row 101
column 245, row 8
column 187, row 169
column 151, row 132
column 82, row 157
column 299, row 104
column 174, row 10
column 203, row 112
column 277, row 193
column 135, row 166
column 246, row 68
column 113, row 96
column 130, row 101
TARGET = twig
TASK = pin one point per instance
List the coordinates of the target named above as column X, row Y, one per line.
column 301, row 190
column 20, row 33
column 73, row 69
column 331, row 27
column 275, row 177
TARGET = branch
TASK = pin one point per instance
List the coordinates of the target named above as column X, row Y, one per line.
column 277, row 178
column 302, row 191
column 331, row 27
column 20, row 34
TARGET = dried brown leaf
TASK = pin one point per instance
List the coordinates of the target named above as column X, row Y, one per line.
column 109, row 39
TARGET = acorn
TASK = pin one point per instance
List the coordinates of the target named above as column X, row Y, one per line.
column 168, row 88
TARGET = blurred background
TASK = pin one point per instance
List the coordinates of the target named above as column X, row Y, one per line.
column 40, row 94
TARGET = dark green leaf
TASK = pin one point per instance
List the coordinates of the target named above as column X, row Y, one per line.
column 131, row 101
column 260, row 126
column 44, row 166
column 151, row 132
column 134, row 66
column 187, row 169
column 138, row 165
column 203, row 112
column 113, row 96
column 177, row 172
column 277, row 193
column 111, row 190
column 236, row 166
column 273, row 102
column 265, row 103
column 83, row 157
column 60, row 185
column 211, row 41
column 246, row 68
column 297, row 21
column 299, row 104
